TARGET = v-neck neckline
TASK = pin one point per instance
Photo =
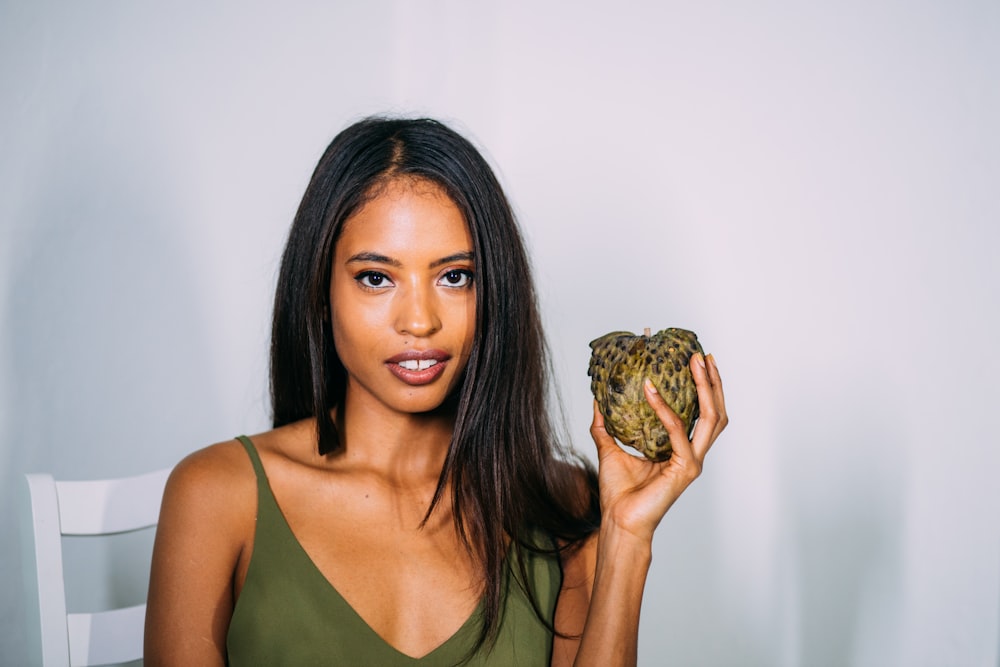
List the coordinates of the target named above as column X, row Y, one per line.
column 328, row 585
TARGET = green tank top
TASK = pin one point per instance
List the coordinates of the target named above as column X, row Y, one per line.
column 289, row 614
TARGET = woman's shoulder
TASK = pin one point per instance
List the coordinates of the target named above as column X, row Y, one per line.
column 222, row 463
column 212, row 480
column 226, row 468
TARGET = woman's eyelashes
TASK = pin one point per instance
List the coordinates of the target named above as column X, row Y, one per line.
column 377, row 280
column 373, row 280
column 456, row 278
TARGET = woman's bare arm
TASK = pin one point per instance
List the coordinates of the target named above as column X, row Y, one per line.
column 206, row 517
column 635, row 495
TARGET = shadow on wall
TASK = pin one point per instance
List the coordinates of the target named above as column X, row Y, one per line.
column 842, row 494
column 109, row 368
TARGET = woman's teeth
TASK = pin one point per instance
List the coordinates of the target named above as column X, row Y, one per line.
column 417, row 364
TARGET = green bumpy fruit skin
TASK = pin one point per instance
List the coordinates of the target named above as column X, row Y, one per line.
column 618, row 363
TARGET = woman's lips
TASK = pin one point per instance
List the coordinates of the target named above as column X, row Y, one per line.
column 418, row 367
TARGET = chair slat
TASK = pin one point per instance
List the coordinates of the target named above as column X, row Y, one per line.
column 101, row 507
column 106, row 637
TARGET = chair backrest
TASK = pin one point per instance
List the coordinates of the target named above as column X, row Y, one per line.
column 99, row 507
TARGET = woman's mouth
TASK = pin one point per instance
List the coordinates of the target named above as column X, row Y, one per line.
column 418, row 368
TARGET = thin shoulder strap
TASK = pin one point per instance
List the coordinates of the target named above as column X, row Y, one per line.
column 258, row 467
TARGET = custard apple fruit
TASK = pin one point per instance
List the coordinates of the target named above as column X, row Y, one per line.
column 618, row 364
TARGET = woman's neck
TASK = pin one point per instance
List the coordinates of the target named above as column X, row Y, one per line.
column 405, row 449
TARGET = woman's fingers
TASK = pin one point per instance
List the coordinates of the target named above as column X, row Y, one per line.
column 605, row 443
column 711, row 404
column 682, row 450
column 720, row 399
column 711, row 421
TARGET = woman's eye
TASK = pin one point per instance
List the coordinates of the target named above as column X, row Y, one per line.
column 457, row 278
column 373, row 279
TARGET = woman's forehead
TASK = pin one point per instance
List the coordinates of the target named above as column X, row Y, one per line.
column 406, row 216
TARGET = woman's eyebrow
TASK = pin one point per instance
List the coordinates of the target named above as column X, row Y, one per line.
column 467, row 256
column 373, row 257
column 378, row 258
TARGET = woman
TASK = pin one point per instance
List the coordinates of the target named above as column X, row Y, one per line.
column 411, row 505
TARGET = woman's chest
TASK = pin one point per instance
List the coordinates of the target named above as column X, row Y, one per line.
column 413, row 585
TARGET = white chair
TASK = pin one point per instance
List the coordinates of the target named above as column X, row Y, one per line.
column 100, row 507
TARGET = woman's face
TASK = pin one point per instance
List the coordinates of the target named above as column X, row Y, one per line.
column 403, row 299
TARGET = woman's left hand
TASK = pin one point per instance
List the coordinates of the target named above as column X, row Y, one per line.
column 635, row 492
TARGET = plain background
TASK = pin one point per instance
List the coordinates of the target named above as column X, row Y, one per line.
column 813, row 187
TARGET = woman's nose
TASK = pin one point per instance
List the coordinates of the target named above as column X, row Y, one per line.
column 417, row 312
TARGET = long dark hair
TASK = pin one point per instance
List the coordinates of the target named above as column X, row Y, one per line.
column 510, row 478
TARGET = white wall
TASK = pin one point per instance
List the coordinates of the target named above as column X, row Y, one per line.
column 810, row 186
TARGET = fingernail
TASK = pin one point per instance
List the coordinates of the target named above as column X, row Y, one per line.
column 712, row 359
column 647, row 384
column 700, row 358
